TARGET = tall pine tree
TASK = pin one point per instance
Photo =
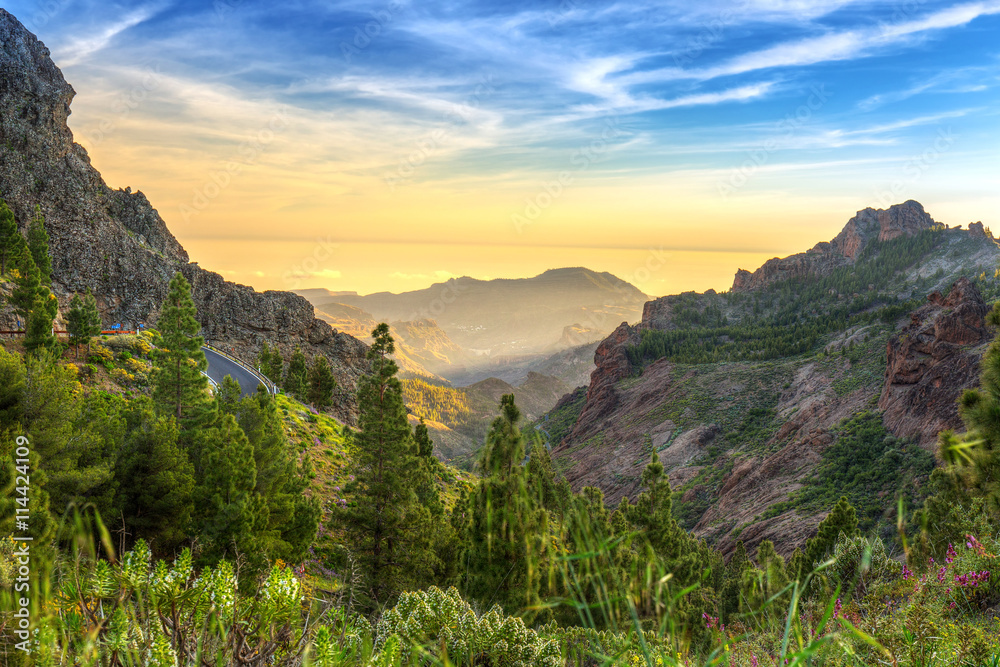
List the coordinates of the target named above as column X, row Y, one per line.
column 504, row 535
column 179, row 388
column 27, row 286
column 297, row 377
column 321, row 383
column 38, row 245
column 91, row 318
column 75, row 323
column 38, row 331
column 155, row 480
column 11, row 241
column 385, row 526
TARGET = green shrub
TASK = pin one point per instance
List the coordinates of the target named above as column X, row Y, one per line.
column 433, row 618
column 862, row 564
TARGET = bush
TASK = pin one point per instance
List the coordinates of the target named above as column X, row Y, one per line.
column 435, row 618
column 122, row 376
column 99, row 354
column 131, row 343
column 862, row 564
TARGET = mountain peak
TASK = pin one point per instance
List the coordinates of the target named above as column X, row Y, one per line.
column 114, row 242
column 868, row 224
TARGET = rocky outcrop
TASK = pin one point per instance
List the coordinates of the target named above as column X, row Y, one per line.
column 611, row 359
column 932, row 361
column 114, row 242
column 867, row 225
column 659, row 313
column 977, row 231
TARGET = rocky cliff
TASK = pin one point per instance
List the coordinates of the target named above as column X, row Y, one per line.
column 931, row 361
column 869, row 224
column 114, row 242
column 740, row 437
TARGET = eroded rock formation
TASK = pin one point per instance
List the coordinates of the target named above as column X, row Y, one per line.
column 114, row 242
column 930, row 363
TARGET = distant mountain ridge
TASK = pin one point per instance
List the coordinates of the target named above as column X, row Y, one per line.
column 507, row 316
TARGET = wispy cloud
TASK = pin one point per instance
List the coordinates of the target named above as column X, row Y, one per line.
column 80, row 48
column 832, row 46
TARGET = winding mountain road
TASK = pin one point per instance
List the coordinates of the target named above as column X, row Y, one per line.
column 220, row 366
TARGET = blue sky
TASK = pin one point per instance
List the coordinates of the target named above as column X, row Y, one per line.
column 446, row 126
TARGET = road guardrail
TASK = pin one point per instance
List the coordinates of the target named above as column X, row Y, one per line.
column 271, row 387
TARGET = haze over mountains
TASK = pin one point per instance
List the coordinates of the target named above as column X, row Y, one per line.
column 753, row 398
column 467, row 329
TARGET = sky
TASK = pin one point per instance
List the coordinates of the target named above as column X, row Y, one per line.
column 387, row 145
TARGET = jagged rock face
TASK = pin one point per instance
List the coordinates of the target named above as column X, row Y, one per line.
column 869, row 224
column 978, row 231
column 929, row 365
column 613, row 365
column 114, row 242
column 932, row 361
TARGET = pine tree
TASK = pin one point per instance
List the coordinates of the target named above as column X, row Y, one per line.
column 297, row 377
column 264, row 362
column 736, row 569
column 229, row 515
column 664, row 542
column 179, row 388
column 384, row 527
column 276, row 369
column 426, row 488
column 155, row 480
column 842, row 519
column 38, row 331
column 770, row 579
column 292, row 518
column 91, row 319
column 38, row 245
column 76, row 323
column 11, row 241
column 27, row 286
column 504, row 535
column 321, row 383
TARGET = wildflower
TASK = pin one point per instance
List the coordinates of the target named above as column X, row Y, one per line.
column 836, row 609
column 951, row 554
column 906, row 573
